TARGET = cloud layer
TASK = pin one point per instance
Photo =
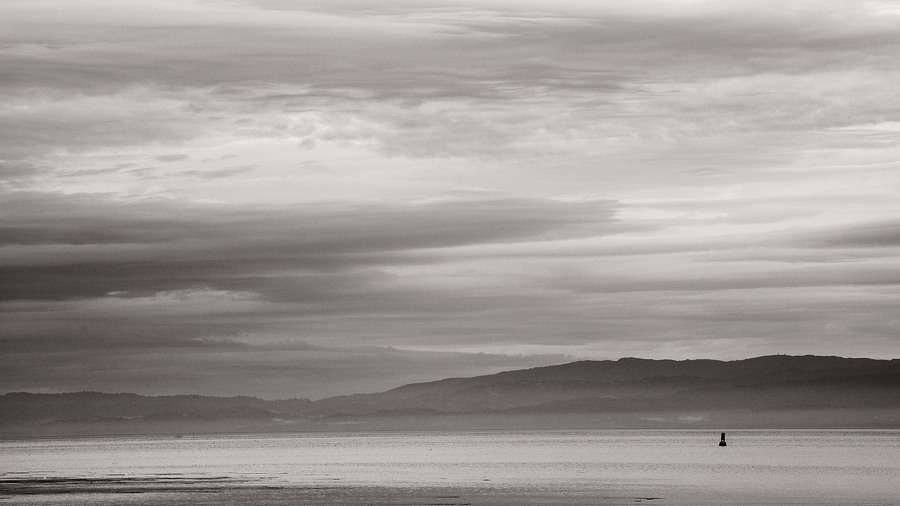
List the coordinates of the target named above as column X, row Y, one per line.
column 423, row 187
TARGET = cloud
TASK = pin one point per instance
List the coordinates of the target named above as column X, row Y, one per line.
column 448, row 103
column 177, row 157
column 217, row 173
column 16, row 172
column 598, row 179
column 186, row 246
column 877, row 234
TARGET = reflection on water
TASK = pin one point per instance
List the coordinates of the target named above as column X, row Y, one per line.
column 584, row 467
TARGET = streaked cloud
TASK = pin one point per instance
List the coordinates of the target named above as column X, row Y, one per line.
column 584, row 179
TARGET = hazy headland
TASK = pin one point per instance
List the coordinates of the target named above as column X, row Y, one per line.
column 763, row 392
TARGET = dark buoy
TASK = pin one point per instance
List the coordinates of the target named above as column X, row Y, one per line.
column 722, row 441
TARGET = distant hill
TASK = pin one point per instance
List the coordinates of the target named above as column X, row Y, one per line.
column 632, row 384
column 763, row 391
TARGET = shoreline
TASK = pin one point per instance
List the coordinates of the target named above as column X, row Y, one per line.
column 383, row 432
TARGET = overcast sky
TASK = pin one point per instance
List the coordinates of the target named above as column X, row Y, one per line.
column 304, row 198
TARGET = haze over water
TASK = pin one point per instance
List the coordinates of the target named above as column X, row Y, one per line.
column 539, row 467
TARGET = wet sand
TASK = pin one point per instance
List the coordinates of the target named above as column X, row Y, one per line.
column 164, row 490
column 158, row 490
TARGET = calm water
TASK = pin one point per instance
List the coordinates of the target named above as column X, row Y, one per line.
column 583, row 467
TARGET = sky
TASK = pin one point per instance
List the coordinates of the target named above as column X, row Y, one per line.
column 301, row 198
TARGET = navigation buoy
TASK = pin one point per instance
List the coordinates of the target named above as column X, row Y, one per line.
column 722, row 441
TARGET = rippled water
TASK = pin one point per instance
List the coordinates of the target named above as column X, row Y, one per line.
column 589, row 467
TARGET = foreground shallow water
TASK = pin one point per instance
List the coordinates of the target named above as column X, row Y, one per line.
column 532, row 467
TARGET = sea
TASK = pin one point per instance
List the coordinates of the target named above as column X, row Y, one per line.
column 685, row 467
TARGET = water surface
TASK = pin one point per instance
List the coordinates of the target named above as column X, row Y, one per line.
column 538, row 467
